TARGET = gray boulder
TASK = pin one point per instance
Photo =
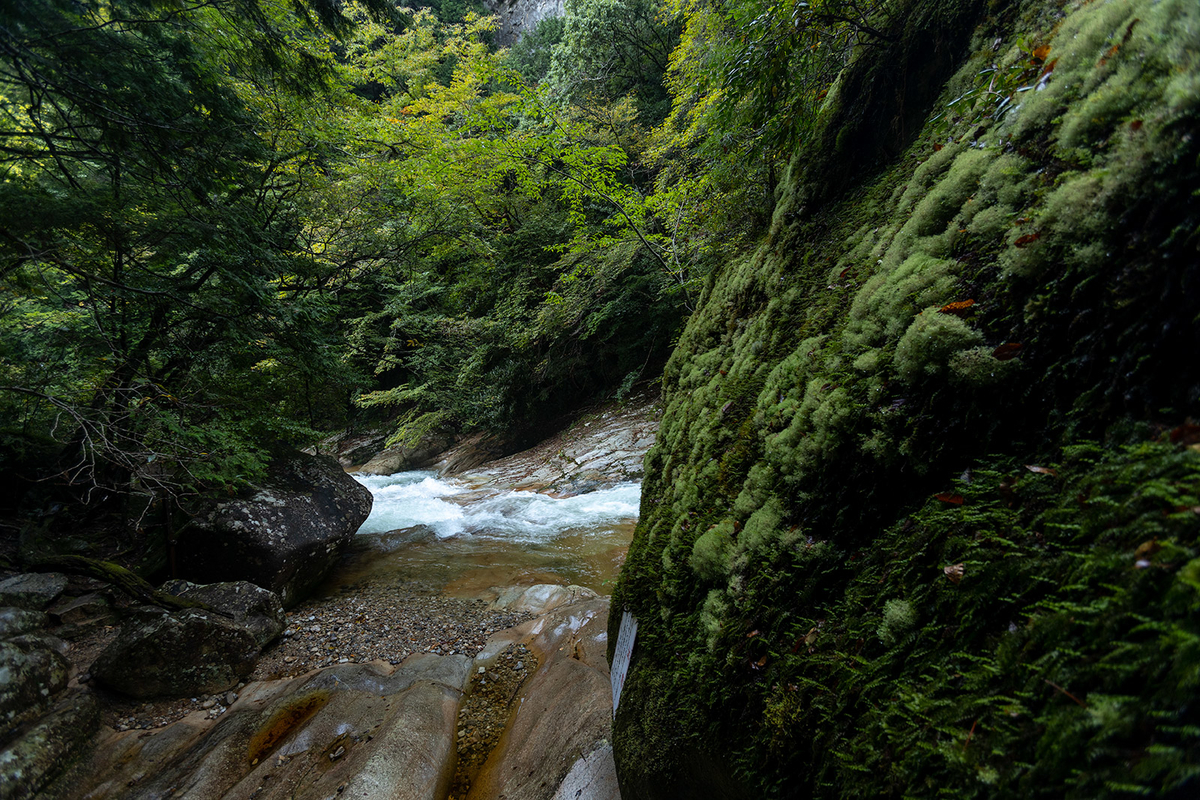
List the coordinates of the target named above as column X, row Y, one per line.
column 43, row 751
column 160, row 654
column 34, row 590
column 284, row 536
column 32, row 674
column 254, row 608
column 15, row 621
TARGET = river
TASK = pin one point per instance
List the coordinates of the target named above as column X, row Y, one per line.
column 455, row 537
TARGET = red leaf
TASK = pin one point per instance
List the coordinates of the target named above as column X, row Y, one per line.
column 1136, row 125
column 1008, row 351
column 1186, row 434
column 1040, row 53
column 947, row 497
column 957, row 309
column 1028, row 238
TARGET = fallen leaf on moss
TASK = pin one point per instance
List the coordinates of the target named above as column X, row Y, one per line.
column 1042, row 470
column 947, row 497
column 762, row 662
column 1136, row 125
column 1147, row 549
column 1040, row 53
column 1186, row 434
column 1028, row 238
column 957, row 309
column 1007, row 351
column 954, row 572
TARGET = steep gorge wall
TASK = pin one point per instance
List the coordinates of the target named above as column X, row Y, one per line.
column 923, row 514
column 516, row 17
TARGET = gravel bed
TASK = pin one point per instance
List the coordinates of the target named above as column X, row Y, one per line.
column 485, row 712
column 358, row 624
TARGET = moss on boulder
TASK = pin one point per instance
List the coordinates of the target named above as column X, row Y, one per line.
column 848, row 580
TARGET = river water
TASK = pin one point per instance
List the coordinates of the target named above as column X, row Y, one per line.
column 452, row 536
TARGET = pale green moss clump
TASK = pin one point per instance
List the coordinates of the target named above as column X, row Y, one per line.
column 710, row 552
column 930, row 342
column 885, row 306
column 899, row 618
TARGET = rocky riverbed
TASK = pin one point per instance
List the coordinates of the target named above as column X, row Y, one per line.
column 385, row 686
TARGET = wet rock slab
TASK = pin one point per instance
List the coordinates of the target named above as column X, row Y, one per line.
column 356, row 730
column 563, row 711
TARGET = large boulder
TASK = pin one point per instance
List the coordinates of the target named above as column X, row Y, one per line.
column 254, row 608
column 160, row 654
column 34, row 590
column 32, row 674
column 48, row 746
column 283, row 536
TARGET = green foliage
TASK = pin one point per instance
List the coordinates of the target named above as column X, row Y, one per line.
column 151, row 242
column 833, row 381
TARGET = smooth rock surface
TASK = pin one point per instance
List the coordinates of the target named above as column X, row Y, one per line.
column 257, row 610
column 33, row 590
column 176, row 654
column 598, row 450
column 565, row 709
column 357, row 730
column 593, row 777
column 88, row 608
column 540, row 598
column 284, row 536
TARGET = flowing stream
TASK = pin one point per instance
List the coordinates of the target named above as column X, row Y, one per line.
column 451, row 536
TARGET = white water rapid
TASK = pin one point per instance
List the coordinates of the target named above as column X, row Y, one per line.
column 449, row 508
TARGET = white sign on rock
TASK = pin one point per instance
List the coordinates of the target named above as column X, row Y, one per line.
column 620, row 662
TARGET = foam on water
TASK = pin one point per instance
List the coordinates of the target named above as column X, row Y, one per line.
column 411, row 499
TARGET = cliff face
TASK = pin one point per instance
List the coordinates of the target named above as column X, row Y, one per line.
column 923, row 513
column 518, row 16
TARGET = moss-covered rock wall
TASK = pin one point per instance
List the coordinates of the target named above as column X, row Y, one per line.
column 924, row 513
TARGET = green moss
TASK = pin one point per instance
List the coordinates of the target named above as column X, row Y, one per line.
column 898, row 619
column 885, row 306
column 930, row 342
column 847, row 399
column 710, row 553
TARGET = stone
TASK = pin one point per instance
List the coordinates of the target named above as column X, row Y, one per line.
column 32, row 760
column 33, row 590
column 91, row 607
column 32, row 674
column 565, row 708
column 15, row 621
column 402, row 457
column 185, row 653
column 254, row 608
column 516, row 17
column 284, row 535
column 358, row 730
column 593, row 777
column 540, row 598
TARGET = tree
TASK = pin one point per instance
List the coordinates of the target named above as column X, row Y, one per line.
column 149, row 237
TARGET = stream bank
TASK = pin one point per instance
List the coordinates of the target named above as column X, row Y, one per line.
column 494, row 666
